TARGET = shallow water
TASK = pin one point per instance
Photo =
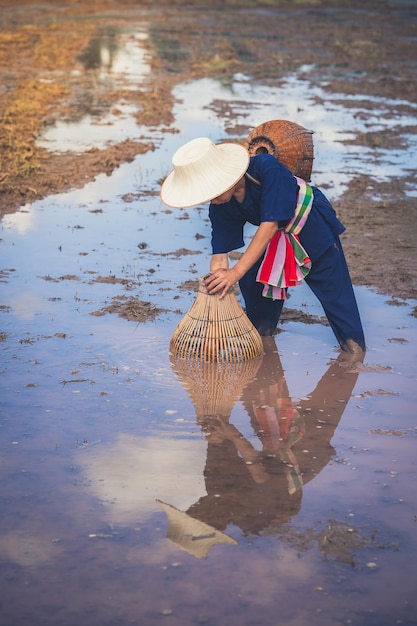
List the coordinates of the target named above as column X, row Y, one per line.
column 122, row 503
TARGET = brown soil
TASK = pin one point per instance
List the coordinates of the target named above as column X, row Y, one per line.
column 357, row 47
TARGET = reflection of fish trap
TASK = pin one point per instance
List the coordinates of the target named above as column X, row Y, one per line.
column 289, row 142
column 214, row 387
column 216, row 329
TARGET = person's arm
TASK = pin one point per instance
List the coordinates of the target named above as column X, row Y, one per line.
column 221, row 278
column 220, row 429
column 219, row 261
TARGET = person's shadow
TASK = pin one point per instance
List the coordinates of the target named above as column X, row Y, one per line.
column 259, row 487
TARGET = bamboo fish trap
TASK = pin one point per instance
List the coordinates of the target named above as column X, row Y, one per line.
column 289, row 142
column 216, row 330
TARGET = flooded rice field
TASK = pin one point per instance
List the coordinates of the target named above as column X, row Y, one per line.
column 140, row 489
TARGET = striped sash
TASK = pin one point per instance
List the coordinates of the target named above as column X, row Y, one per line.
column 286, row 263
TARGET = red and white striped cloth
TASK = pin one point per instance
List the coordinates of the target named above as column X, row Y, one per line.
column 286, row 263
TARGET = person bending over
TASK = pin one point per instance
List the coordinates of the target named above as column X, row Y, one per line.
column 297, row 235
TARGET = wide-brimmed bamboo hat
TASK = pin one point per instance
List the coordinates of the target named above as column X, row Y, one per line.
column 202, row 171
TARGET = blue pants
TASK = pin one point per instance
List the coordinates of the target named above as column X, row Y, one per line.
column 329, row 280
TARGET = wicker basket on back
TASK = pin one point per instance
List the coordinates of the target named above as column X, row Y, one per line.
column 289, row 142
column 216, row 330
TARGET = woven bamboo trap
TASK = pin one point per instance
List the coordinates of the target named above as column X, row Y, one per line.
column 216, row 330
column 289, row 142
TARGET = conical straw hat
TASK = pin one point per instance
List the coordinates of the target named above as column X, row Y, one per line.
column 216, row 329
column 192, row 535
column 289, row 142
column 202, row 171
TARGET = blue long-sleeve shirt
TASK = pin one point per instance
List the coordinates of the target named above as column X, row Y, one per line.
column 274, row 200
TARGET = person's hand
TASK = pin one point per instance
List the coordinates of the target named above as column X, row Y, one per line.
column 220, row 281
column 217, row 429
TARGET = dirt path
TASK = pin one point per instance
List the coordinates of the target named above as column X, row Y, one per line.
column 366, row 47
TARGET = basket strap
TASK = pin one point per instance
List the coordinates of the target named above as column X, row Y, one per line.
column 253, row 180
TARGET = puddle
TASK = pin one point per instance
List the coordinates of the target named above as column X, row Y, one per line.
column 122, row 502
column 335, row 163
column 198, row 114
column 120, row 61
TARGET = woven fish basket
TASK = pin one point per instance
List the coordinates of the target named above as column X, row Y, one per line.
column 289, row 142
column 216, row 330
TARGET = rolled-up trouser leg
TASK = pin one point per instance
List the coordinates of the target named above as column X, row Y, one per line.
column 330, row 281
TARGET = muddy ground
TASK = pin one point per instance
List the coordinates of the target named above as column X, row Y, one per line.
column 355, row 47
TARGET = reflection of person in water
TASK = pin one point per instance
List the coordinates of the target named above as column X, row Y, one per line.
column 258, row 489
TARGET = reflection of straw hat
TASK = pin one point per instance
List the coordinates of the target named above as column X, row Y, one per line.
column 191, row 534
column 202, row 171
